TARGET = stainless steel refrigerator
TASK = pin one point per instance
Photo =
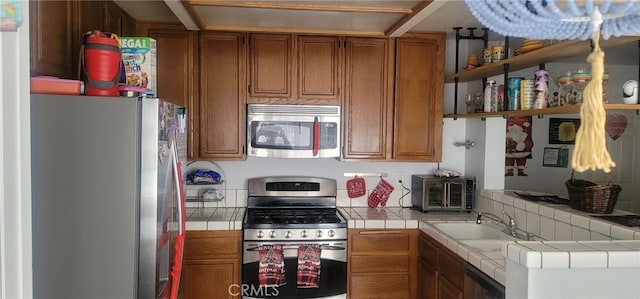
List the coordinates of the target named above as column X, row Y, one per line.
column 107, row 196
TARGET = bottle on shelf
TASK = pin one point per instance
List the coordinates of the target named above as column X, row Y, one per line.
column 488, row 91
column 541, row 79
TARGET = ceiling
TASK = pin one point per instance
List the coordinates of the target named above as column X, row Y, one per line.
column 337, row 17
column 333, row 17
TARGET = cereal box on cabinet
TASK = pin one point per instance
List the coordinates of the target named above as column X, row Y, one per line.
column 139, row 58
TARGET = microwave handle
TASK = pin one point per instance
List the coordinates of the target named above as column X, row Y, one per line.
column 316, row 137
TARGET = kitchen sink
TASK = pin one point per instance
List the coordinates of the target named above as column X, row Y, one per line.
column 486, row 245
column 482, row 237
column 472, row 231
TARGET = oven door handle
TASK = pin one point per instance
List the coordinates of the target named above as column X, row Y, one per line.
column 322, row 247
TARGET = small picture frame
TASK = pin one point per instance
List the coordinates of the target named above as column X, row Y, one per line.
column 555, row 157
column 563, row 130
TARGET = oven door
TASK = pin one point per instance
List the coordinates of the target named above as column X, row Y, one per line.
column 333, row 272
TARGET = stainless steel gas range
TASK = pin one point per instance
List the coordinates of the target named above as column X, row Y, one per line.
column 295, row 239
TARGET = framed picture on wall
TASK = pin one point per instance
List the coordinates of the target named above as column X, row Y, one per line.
column 555, row 157
column 563, row 130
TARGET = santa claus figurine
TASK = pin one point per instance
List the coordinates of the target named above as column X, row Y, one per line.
column 518, row 145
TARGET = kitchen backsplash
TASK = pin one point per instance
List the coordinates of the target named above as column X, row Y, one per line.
column 238, row 198
column 552, row 222
column 546, row 221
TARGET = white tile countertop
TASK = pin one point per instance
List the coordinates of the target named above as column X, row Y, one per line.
column 214, row 218
column 397, row 218
column 563, row 236
column 574, row 254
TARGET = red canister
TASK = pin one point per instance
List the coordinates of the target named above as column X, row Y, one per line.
column 101, row 61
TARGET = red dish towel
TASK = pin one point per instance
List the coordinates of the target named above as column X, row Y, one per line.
column 271, row 271
column 309, row 265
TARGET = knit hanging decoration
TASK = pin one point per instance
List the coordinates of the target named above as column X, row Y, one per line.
column 544, row 19
column 557, row 19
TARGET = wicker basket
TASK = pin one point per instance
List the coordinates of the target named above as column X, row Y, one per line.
column 590, row 197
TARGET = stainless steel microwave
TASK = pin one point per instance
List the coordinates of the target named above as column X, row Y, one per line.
column 293, row 131
column 431, row 193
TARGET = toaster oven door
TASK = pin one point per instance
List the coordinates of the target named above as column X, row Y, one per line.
column 435, row 194
column 456, row 194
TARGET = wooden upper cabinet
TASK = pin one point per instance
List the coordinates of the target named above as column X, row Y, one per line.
column 52, row 39
column 319, row 62
column 271, row 65
column 177, row 75
column 418, row 97
column 56, row 29
column 367, row 116
column 90, row 17
column 118, row 21
column 176, row 68
column 222, row 96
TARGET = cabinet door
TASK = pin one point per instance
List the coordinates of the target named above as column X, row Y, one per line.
column 176, row 68
column 427, row 281
column 384, row 286
column 118, row 21
column 418, row 98
column 271, row 65
column 366, row 102
column 223, row 96
column 447, row 290
column 90, row 16
column 52, row 38
column 177, row 74
column 319, row 69
column 209, row 279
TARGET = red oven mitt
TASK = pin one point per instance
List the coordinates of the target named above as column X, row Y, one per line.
column 380, row 194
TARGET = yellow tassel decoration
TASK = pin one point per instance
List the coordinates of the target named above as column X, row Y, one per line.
column 590, row 151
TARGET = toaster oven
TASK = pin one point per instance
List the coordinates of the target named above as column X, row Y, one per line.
column 431, row 193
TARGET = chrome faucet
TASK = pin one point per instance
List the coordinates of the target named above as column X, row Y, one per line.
column 510, row 225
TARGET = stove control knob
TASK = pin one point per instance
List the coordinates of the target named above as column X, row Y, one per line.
column 304, row 234
column 260, row 234
column 272, row 234
column 319, row 234
column 331, row 233
column 288, row 235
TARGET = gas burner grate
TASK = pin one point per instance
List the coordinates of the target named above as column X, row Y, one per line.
column 292, row 216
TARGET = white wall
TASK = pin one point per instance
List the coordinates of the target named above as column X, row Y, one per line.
column 623, row 150
column 571, row 282
column 237, row 172
column 486, row 160
column 15, row 166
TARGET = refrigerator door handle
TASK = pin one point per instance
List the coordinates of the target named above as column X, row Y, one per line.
column 177, row 172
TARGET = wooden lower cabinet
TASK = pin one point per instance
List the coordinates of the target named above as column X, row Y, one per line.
column 427, row 280
column 441, row 271
column 212, row 264
column 382, row 263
